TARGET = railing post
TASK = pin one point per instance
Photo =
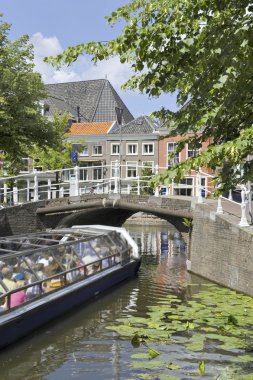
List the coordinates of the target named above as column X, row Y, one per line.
column 28, row 190
column 76, row 171
column 157, row 187
column 138, row 185
column 117, row 176
column 49, row 188
column 199, row 192
column 15, row 194
column 36, row 187
column 5, row 192
column 172, row 187
column 61, row 192
column 219, row 206
column 243, row 221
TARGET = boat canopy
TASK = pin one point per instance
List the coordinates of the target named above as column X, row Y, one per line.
column 58, row 257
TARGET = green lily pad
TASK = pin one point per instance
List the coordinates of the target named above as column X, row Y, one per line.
column 151, row 364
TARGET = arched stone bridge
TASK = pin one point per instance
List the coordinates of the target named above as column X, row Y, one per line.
column 105, row 209
column 219, row 249
column 112, row 209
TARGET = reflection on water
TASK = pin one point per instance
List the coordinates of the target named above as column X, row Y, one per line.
column 157, row 240
column 78, row 345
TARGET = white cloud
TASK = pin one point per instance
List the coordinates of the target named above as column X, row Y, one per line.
column 116, row 72
column 83, row 69
column 45, row 46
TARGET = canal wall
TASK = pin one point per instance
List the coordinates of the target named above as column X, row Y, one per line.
column 222, row 251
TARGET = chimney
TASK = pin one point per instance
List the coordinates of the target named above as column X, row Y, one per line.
column 78, row 114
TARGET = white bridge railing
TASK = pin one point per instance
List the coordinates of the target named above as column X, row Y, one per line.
column 117, row 179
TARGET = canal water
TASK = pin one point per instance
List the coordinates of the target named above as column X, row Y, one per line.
column 94, row 341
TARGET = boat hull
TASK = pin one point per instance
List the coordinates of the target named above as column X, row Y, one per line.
column 22, row 321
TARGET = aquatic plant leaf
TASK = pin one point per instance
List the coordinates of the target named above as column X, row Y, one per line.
column 190, row 326
column 123, row 330
column 243, row 359
column 151, row 364
column 136, row 340
column 152, row 353
column 167, row 377
column 173, row 366
column 202, row 368
column 145, row 376
column 249, row 376
column 196, row 343
column 232, row 320
column 208, row 329
column 140, row 355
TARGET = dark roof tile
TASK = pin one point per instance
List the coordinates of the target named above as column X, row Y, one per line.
column 97, row 100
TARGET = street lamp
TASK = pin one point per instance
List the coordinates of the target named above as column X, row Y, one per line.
column 119, row 114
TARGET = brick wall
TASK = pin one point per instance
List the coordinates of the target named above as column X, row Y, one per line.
column 222, row 251
column 21, row 219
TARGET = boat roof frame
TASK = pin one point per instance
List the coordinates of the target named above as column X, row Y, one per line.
column 65, row 231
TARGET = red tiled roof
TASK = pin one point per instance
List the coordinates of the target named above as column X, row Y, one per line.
column 99, row 128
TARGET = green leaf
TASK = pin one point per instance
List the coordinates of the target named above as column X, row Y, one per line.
column 202, row 368
column 153, row 353
column 173, row 366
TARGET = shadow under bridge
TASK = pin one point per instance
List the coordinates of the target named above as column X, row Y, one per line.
column 113, row 210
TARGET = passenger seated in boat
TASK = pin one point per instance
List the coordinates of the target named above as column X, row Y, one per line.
column 74, row 275
column 2, row 265
column 36, row 290
column 18, row 297
column 2, row 303
column 10, row 284
column 53, row 267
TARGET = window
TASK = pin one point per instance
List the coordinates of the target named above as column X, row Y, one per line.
column 184, row 187
column 97, row 150
column 148, row 165
column 191, row 151
column 147, row 149
column 131, row 169
column 97, row 173
column 83, row 174
column 25, row 165
column 132, row 149
column 171, row 149
column 84, row 152
column 115, row 149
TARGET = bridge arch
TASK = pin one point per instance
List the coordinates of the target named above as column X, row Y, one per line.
column 115, row 217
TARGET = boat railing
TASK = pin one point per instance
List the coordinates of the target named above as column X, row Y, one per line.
column 85, row 271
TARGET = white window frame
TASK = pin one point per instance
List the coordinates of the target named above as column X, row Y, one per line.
column 84, row 152
column 128, row 149
column 148, row 164
column 176, row 159
column 134, row 165
column 115, row 145
column 148, row 153
column 194, row 152
column 83, row 173
column 185, row 187
column 94, row 148
column 96, row 169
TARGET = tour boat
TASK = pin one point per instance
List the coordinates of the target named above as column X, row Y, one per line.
column 45, row 274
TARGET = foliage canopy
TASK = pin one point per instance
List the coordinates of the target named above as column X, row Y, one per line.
column 203, row 50
column 22, row 125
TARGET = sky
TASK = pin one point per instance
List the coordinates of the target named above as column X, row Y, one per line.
column 53, row 25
